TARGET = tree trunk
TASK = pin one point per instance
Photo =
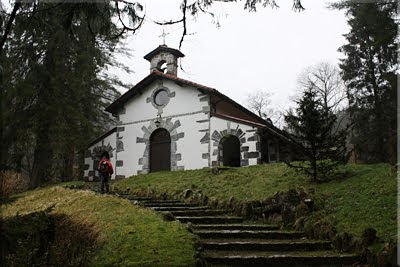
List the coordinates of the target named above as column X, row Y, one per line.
column 314, row 170
column 313, row 163
column 68, row 162
column 3, row 150
column 379, row 148
column 42, row 159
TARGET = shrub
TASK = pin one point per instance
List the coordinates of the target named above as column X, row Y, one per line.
column 43, row 239
column 12, row 183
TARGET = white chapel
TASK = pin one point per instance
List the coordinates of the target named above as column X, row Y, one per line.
column 165, row 123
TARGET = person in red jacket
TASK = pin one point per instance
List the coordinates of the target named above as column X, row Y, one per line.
column 105, row 169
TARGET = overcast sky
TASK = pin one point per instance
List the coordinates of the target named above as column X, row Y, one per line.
column 263, row 50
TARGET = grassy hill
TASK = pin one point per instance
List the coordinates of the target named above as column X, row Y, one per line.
column 59, row 225
column 99, row 230
column 362, row 196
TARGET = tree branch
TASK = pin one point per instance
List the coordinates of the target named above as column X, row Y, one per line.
column 9, row 24
column 126, row 28
column 184, row 22
column 168, row 22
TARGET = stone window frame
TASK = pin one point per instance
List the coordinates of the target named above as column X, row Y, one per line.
column 151, row 99
column 161, row 98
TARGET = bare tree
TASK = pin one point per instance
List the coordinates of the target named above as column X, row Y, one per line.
column 326, row 80
column 259, row 102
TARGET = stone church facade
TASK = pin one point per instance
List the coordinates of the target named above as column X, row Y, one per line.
column 168, row 123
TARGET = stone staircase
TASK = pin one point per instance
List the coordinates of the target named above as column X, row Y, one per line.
column 226, row 240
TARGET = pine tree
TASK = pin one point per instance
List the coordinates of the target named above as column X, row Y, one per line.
column 313, row 127
column 54, row 90
column 369, row 70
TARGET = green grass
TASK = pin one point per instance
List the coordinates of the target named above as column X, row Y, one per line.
column 128, row 235
column 249, row 183
column 365, row 199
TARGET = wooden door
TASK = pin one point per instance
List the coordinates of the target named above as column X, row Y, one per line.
column 160, row 151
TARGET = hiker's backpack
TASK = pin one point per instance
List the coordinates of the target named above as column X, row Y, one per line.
column 103, row 166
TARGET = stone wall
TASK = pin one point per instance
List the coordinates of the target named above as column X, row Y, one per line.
column 164, row 57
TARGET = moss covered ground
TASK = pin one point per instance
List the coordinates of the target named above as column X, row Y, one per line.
column 126, row 235
column 360, row 196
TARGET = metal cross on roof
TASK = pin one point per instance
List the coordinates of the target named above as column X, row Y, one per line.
column 163, row 35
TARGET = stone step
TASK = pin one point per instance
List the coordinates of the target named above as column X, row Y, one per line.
column 122, row 194
column 201, row 212
column 270, row 234
column 158, row 201
column 152, row 205
column 133, row 197
column 265, row 245
column 209, row 219
column 273, row 258
column 179, row 208
column 234, row 227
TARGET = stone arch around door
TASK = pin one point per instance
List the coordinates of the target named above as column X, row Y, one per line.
column 217, row 136
column 245, row 155
column 169, row 126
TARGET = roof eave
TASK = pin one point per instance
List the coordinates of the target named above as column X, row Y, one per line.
column 248, row 112
column 98, row 139
column 161, row 48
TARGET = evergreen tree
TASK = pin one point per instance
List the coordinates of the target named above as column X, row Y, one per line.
column 54, row 89
column 313, row 127
column 369, row 70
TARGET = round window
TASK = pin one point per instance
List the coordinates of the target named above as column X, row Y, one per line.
column 161, row 98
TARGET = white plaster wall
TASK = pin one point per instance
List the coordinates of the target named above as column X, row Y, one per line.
column 109, row 140
column 186, row 100
column 219, row 125
column 185, row 106
column 189, row 146
column 191, row 108
column 132, row 150
column 137, row 109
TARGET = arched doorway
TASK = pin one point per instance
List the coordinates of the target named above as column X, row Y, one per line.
column 160, row 151
column 230, row 146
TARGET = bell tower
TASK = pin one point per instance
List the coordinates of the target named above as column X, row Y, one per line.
column 164, row 59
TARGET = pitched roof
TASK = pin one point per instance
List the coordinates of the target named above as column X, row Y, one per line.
column 251, row 123
column 163, row 48
column 155, row 74
column 117, row 104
